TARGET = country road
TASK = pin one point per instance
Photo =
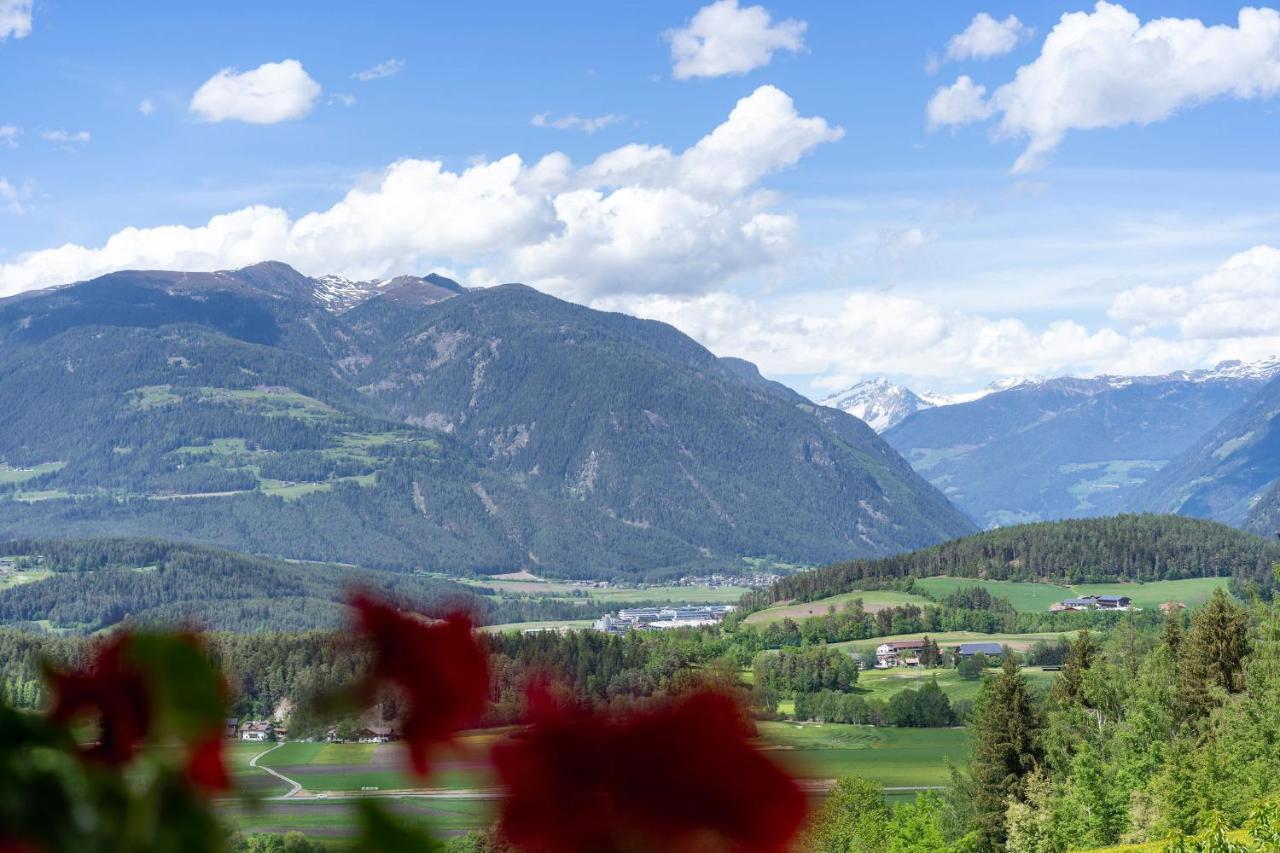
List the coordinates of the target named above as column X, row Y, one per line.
column 294, row 787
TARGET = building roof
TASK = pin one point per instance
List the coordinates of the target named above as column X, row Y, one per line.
column 906, row 644
column 1080, row 602
column 1110, row 598
column 981, row 648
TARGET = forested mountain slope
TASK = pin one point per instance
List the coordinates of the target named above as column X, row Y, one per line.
column 1229, row 474
column 413, row 423
column 1118, row 548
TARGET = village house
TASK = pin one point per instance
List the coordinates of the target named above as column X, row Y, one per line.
column 257, row 731
column 1093, row 602
column 898, row 653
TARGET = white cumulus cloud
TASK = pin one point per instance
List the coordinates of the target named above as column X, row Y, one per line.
column 723, row 38
column 15, row 18
column 147, row 106
column 962, row 102
column 986, row 37
column 271, row 93
column 9, row 134
column 1240, row 299
column 637, row 219
column 1107, row 69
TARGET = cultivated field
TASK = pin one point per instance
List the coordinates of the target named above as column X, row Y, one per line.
column 872, row 601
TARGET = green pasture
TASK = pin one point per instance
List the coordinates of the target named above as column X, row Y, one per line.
column 9, row 474
column 1192, row 592
column 1023, row 595
column 883, row 683
column 1017, row 642
column 1036, row 596
column 889, row 756
column 872, row 600
column 335, row 817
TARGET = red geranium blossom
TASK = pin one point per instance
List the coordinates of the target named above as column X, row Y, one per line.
column 682, row 778
column 439, row 665
column 117, row 691
column 205, row 767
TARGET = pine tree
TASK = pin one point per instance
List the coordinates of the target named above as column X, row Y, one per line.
column 1068, row 689
column 1212, row 657
column 1007, row 747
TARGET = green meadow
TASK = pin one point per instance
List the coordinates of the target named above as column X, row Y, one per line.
column 1030, row 595
column 872, row 600
column 892, row 757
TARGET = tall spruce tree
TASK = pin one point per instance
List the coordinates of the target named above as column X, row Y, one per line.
column 1213, row 655
column 1068, row 688
column 1007, row 747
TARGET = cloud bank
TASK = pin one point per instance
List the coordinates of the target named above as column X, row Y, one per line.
column 1107, row 69
column 640, row 218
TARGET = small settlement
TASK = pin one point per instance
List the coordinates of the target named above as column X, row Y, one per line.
column 907, row 652
column 663, row 618
column 1092, row 602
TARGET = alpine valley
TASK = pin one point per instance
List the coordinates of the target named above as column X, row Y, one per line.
column 411, row 423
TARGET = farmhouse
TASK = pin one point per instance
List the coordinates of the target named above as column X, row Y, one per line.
column 898, row 653
column 257, row 730
column 1093, row 602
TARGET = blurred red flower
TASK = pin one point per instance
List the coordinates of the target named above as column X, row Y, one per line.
column 682, row 778
column 117, row 691
column 205, row 767
column 439, row 665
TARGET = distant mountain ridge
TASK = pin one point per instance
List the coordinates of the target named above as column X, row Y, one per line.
column 883, row 404
column 1069, row 446
column 413, row 423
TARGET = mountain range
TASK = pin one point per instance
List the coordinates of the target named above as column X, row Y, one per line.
column 1068, row 447
column 412, row 423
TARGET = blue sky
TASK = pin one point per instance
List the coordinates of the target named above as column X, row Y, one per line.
column 830, row 231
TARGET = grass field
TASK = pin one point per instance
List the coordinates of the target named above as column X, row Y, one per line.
column 21, row 475
column 334, row 818
column 882, row 684
column 1017, row 642
column 1022, row 595
column 347, row 767
column 872, row 600
column 892, row 757
column 1030, row 596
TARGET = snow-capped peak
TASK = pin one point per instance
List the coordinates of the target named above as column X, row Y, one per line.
column 880, row 403
column 339, row 294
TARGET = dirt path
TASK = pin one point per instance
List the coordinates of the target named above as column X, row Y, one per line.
column 294, row 787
